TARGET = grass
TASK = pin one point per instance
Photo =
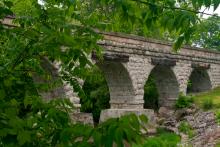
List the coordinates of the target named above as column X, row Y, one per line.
column 205, row 98
column 163, row 139
column 213, row 95
column 185, row 128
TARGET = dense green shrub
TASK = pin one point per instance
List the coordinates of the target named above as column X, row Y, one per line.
column 207, row 104
column 151, row 94
column 183, row 101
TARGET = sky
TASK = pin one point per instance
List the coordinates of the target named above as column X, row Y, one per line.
column 210, row 11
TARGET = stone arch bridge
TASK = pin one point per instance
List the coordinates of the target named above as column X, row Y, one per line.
column 129, row 60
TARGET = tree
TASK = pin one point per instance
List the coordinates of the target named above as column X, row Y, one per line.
column 207, row 34
column 48, row 33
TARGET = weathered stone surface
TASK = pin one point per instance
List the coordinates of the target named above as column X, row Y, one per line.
column 166, row 112
column 201, row 121
column 84, row 118
column 113, row 57
column 114, row 113
column 208, row 139
column 201, row 66
column 163, row 61
column 206, row 130
column 170, row 122
column 180, row 113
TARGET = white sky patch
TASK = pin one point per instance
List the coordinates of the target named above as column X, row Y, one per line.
column 40, row 2
column 210, row 11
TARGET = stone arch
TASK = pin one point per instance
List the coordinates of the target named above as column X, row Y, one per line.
column 199, row 81
column 119, row 83
column 53, row 72
column 62, row 89
column 166, row 84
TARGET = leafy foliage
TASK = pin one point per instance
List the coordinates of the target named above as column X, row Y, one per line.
column 184, row 101
column 48, row 124
column 97, row 94
column 123, row 129
column 49, row 33
column 162, row 139
column 207, row 34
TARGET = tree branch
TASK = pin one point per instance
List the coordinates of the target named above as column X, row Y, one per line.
column 174, row 8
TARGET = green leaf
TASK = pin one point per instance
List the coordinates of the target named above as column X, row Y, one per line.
column 200, row 2
column 2, row 94
column 194, row 2
column 8, row 82
column 8, row 3
column 207, row 3
column 143, row 118
column 178, row 43
column 119, row 137
column 216, row 4
column 23, row 137
column 11, row 112
column 28, row 100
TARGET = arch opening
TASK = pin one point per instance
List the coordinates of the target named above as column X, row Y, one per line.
column 199, row 81
column 119, row 83
column 109, row 86
column 164, row 86
column 97, row 94
column 151, row 94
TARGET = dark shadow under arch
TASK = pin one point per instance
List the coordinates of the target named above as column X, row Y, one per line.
column 151, row 94
column 166, row 84
column 199, row 81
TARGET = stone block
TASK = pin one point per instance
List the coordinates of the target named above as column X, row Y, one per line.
column 114, row 113
column 85, row 118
